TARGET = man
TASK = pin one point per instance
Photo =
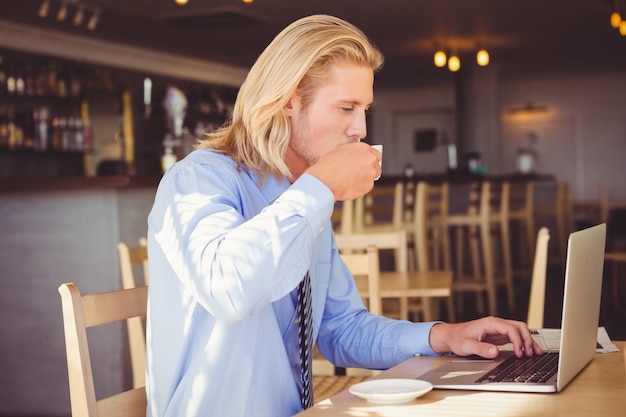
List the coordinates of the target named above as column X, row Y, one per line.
column 239, row 222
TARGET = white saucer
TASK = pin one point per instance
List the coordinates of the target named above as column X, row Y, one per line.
column 390, row 391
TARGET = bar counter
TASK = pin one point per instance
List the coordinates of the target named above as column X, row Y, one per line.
column 12, row 185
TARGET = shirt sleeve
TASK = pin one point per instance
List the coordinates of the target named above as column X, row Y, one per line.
column 350, row 336
column 235, row 251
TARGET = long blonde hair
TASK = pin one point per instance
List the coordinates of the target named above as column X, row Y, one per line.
column 297, row 59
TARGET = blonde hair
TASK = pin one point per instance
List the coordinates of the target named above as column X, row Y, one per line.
column 297, row 59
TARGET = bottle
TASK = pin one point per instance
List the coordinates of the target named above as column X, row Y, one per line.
column 30, row 81
column 56, row 134
column 40, row 122
column 3, row 78
column 10, row 128
column 79, row 138
column 4, row 127
column 64, row 134
column 11, row 84
column 20, row 81
column 41, row 81
column 87, row 136
column 52, row 79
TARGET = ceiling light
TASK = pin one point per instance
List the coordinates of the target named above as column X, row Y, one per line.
column 440, row 59
column 616, row 19
column 528, row 108
column 454, row 63
column 181, row 2
column 482, row 57
column 44, row 9
column 79, row 16
column 93, row 22
column 80, row 8
column 622, row 28
column 62, row 14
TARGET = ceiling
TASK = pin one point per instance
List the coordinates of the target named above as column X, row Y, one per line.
column 523, row 36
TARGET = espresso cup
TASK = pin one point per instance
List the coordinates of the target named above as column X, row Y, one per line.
column 379, row 148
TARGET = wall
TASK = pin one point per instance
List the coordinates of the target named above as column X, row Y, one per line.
column 396, row 115
column 49, row 238
column 580, row 139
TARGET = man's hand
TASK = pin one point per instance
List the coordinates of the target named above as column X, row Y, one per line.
column 349, row 170
column 482, row 337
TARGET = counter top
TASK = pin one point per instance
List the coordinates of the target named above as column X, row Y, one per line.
column 462, row 177
column 13, row 185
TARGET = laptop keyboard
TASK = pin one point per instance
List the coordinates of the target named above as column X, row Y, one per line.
column 535, row 369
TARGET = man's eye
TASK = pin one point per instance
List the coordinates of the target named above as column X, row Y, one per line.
column 347, row 108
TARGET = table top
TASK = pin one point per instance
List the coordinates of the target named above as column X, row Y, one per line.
column 615, row 256
column 599, row 391
column 395, row 284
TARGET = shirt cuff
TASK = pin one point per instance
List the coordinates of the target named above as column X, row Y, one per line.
column 314, row 198
column 419, row 339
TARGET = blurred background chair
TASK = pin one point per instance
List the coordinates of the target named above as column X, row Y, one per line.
column 536, row 302
column 380, row 209
column 80, row 313
column 482, row 232
column 329, row 380
column 132, row 259
column 392, row 242
column 522, row 219
column 342, row 218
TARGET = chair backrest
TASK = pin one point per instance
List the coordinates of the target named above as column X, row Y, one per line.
column 129, row 258
column 342, row 217
column 81, row 312
column 381, row 209
column 538, row 284
column 367, row 264
column 396, row 240
column 430, row 212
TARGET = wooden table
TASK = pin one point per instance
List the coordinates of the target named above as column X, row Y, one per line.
column 599, row 391
column 411, row 284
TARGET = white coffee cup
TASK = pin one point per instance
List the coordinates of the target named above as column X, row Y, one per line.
column 379, row 148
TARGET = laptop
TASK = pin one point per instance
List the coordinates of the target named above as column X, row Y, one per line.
column 579, row 329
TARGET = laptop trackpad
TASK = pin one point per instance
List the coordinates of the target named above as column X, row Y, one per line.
column 456, row 369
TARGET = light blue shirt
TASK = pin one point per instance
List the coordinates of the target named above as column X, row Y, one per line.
column 226, row 255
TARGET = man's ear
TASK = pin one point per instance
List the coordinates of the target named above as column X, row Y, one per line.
column 292, row 104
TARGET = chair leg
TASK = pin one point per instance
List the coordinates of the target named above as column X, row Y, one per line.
column 488, row 268
column 507, row 264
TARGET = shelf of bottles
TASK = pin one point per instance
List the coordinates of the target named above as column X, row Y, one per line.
column 41, row 106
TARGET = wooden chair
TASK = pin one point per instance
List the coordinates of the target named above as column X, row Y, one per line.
column 400, row 283
column 342, row 218
column 557, row 206
column 429, row 237
column 84, row 311
column 538, row 283
column 129, row 259
column 365, row 268
column 366, row 265
column 430, row 240
column 395, row 241
column 522, row 214
column 380, row 210
column 483, row 231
